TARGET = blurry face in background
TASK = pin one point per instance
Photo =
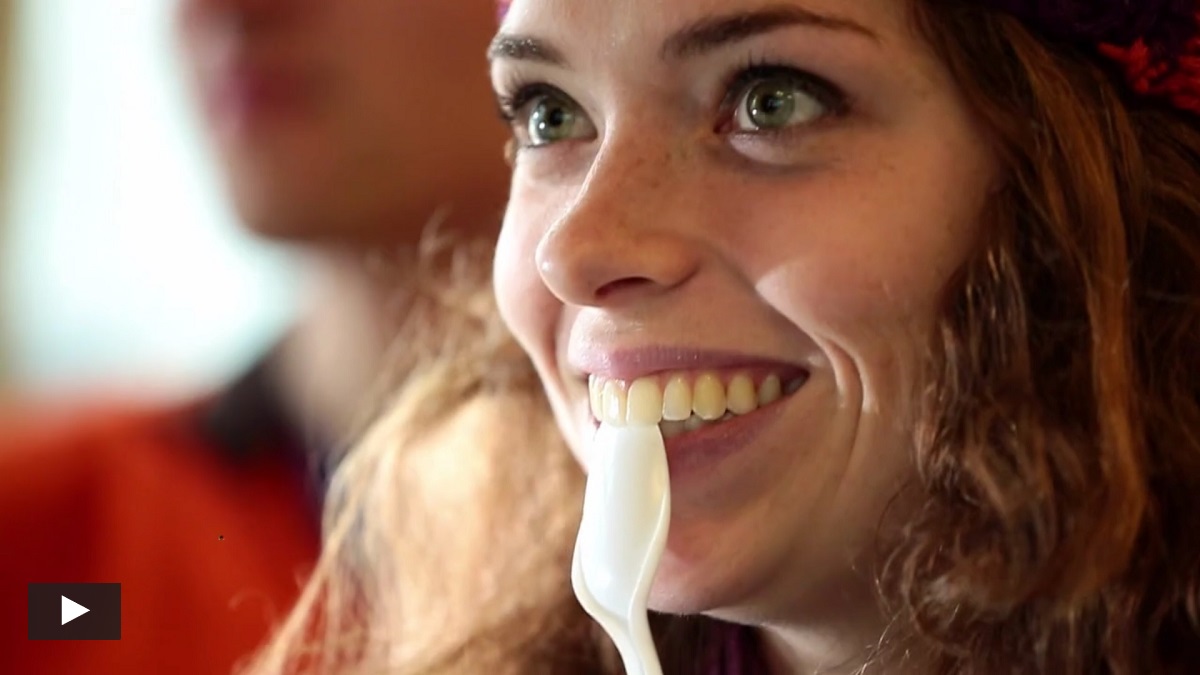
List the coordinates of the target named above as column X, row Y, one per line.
column 349, row 120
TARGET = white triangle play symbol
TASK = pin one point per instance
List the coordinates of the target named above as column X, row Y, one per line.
column 72, row 610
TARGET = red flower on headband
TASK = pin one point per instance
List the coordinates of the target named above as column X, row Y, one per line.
column 1156, row 43
column 1174, row 78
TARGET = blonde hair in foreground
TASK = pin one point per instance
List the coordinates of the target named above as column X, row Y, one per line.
column 430, row 519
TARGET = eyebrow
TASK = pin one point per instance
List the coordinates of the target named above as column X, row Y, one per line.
column 700, row 37
column 710, row 33
column 524, row 48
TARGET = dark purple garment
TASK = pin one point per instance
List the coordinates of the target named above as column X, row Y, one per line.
column 735, row 652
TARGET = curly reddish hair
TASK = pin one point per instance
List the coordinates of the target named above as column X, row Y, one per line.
column 1059, row 450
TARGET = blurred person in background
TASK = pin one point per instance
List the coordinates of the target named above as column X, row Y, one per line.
column 345, row 131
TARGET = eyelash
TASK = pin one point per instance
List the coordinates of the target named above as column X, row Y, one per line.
column 754, row 70
column 522, row 93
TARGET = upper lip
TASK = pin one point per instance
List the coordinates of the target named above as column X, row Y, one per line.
column 631, row 363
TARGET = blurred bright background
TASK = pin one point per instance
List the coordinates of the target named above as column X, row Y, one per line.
column 121, row 266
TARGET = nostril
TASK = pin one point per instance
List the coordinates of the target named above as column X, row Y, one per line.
column 614, row 287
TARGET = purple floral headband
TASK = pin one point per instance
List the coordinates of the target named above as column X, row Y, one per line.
column 1156, row 43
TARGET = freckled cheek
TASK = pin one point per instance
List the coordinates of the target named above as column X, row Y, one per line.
column 870, row 340
column 831, row 261
column 527, row 306
column 839, row 285
column 868, row 312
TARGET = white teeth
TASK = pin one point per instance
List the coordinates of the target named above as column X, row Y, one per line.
column 708, row 397
column 684, row 404
column 645, row 402
column 677, row 400
column 596, row 396
column 770, row 391
column 741, row 397
column 614, row 403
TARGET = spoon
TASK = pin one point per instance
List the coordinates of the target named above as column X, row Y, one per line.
column 626, row 511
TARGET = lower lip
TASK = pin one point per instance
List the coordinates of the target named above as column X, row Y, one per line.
column 698, row 451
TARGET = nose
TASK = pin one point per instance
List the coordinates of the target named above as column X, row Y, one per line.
column 624, row 238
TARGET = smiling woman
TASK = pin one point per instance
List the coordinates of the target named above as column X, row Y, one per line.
column 912, row 290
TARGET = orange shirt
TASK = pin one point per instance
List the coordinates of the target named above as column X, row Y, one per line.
column 209, row 543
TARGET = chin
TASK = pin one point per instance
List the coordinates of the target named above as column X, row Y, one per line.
column 273, row 212
column 280, row 229
column 279, row 203
column 681, row 596
column 700, row 586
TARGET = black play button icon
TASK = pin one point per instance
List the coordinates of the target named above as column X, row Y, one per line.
column 74, row 611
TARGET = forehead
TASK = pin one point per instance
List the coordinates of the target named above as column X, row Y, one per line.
column 627, row 26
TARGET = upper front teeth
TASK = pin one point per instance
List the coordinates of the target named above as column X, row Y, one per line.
column 677, row 398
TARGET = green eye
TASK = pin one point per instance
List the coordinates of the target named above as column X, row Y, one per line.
column 777, row 102
column 552, row 118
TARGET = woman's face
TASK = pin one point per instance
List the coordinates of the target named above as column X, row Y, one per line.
column 739, row 215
